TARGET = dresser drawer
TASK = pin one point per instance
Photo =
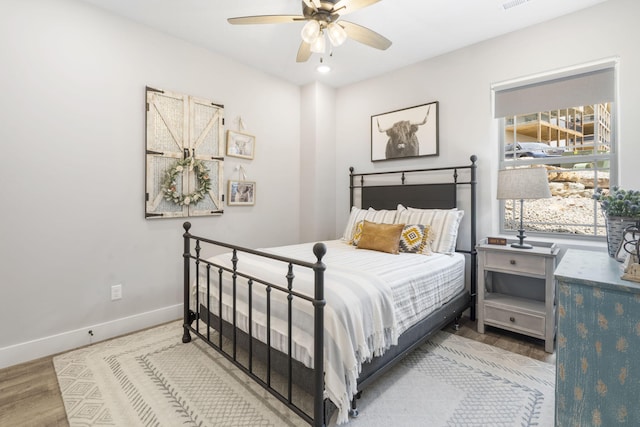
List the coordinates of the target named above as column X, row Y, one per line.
column 532, row 324
column 517, row 263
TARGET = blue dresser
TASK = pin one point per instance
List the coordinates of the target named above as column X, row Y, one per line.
column 598, row 343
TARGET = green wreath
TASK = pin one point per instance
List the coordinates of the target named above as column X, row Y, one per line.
column 202, row 178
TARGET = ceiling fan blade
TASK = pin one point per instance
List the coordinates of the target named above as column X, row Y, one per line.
column 343, row 7
column 265, row 19
column 364, row 35
column 304, row 52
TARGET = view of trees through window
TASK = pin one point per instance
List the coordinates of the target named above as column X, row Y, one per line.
column 575, row 146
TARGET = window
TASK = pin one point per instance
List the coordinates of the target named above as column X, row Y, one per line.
column 564, row 122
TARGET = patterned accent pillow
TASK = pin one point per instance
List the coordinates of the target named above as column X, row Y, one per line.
column 378, row 216
column 429, row 237
column 413, row 238
column 357, row 233
column 444, row 225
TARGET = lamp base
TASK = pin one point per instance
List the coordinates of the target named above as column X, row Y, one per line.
column 521, row 236
column 521, row 246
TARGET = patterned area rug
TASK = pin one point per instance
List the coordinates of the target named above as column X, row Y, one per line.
column 151, row 378
column 455, row 381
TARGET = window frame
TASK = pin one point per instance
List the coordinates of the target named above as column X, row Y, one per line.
column 612, row 156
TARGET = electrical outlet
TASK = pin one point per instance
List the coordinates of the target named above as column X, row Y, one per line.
column 116, row 292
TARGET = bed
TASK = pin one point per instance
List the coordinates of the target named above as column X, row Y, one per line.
column 315, row 323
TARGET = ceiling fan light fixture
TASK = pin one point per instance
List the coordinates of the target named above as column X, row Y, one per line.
column 311, row 31
column 337, row 35
column 319, row 44
column 320, row 15
column 323, row 68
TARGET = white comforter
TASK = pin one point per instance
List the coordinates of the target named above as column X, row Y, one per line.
column 371, row 297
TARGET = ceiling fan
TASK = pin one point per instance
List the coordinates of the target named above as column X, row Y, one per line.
column 323, row 16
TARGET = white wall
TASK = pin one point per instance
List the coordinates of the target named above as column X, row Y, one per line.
column 72, row 80
column 318, row 163
column 461, row 82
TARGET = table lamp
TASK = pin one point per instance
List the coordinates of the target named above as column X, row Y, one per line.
column 520, row 184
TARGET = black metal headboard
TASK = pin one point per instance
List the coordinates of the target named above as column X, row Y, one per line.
column 436, row 196
column 439, row 190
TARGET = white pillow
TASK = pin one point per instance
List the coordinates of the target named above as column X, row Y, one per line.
column 378, row 216
column 444, row 225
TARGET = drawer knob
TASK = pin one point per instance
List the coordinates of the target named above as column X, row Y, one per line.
column 512, row 262
column 513, row 319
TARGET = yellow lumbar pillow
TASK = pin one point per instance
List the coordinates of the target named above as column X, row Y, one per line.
column 381, row 237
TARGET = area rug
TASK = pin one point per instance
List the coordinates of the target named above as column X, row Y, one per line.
column 152, row 379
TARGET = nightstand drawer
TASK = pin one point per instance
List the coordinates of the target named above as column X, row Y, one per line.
column 528, row 323
column 517, row 263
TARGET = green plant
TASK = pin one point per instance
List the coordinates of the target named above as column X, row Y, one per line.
column 619, row 202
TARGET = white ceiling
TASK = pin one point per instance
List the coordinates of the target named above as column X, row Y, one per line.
column 419, row 29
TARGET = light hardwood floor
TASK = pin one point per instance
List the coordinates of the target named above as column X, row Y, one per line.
column 30, row 396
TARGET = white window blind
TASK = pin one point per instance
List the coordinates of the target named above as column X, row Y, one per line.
column 582, row 88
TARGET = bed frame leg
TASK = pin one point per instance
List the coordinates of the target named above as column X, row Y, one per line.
column 188, row 315
column 456, row 323
column 186, row 337
column 191, row 316
column 353, row 412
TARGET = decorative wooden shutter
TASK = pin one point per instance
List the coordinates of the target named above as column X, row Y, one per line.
column 179, row 126
column 167, row 138
column 206, row 142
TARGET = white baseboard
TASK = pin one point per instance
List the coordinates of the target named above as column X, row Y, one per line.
column 23, row 352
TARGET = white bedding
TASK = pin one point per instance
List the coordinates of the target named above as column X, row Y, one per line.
column 372, row 297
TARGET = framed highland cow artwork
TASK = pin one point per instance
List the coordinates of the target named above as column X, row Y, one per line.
column 240, row 144
column 241, row 193
column 406, row 133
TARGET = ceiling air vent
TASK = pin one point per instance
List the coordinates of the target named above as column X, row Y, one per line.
column 513, row 3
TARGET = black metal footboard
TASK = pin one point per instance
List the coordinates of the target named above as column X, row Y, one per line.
column 228, row 338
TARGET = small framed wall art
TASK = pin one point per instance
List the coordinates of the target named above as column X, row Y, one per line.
column 241, row 193
column 240, row 144
column 410, row 132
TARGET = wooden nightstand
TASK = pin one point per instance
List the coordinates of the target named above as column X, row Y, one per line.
column 516, row 289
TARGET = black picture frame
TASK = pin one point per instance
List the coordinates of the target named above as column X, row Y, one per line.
column 406, row 133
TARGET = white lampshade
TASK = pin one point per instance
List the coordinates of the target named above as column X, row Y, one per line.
column 337, row 35
column 523, row 183
column 319, row 44
column 310, row 31
column 520, row 184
